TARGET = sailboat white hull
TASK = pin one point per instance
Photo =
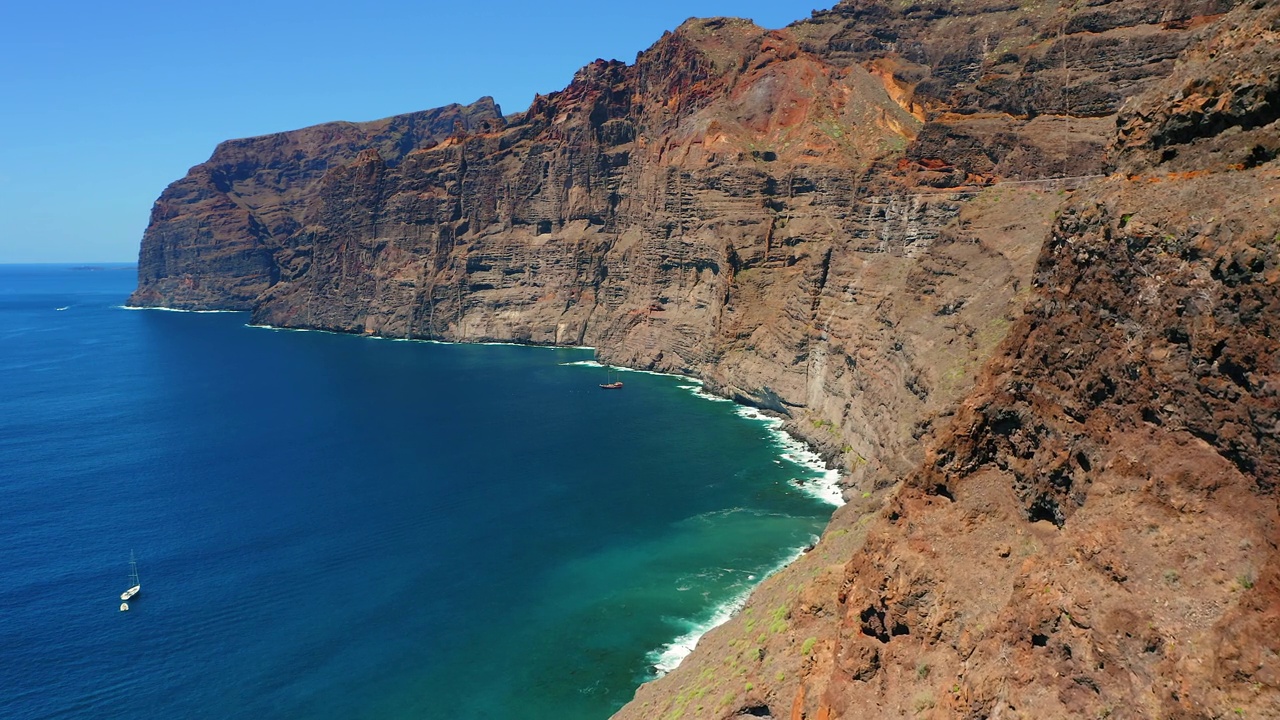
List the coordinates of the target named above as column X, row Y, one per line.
column 135, row 585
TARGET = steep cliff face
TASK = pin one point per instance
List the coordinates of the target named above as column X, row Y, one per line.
column 1095, row 533
column 808, row 219
column 215, row 235
column 901, row 226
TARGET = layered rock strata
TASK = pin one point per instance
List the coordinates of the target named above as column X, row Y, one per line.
column 219, row 237
column 818, row 220
column 1095, row 532
column 900, row 226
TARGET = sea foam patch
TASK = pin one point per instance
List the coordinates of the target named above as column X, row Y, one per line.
column 389, row 338
column 274, row 328
column 668, row 657
column 517, row 344
column 619, row 368
column 825, row 485
column 697, row 389
column 176, row 310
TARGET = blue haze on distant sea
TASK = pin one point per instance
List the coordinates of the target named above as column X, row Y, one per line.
column 340, row 527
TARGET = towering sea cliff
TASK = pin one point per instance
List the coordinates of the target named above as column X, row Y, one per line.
column 219, row 237
column 1012, row 265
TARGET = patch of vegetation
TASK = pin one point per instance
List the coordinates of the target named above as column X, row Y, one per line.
column 779, row 616
column 807, row 646
column 831, row 130
column 1028, row 547
column 923, row 670
column 1245, row 581
column 993, row 333
column 923, row 701
column 824, row 424
column 894, row 144
column 1171, row 576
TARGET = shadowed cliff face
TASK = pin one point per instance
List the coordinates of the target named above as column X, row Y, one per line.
column 847, row 221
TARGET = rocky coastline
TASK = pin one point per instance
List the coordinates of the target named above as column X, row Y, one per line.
column 1011, row 266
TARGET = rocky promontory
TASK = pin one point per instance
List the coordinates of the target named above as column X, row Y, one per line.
column 1011, row 265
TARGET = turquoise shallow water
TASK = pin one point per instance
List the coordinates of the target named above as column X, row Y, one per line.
column 330, row 526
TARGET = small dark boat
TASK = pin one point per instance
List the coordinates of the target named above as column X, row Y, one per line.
column 613, row 384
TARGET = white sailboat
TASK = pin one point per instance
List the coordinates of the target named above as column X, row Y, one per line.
column 134, row 585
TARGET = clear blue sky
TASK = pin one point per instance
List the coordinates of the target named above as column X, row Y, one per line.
column 103, row 104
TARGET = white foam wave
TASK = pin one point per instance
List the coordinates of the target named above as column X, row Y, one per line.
column 669, row 656
column 516, row 344
column 388, row 338
column 825, row 483
column 757, row 414
column 826, row 486
column 621, row 369
column 178, row 310
column 275, row 328
column 692, row 384
column 650, row 372
column 699, row 392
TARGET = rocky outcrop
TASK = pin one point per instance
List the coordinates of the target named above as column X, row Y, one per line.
column 902, row 227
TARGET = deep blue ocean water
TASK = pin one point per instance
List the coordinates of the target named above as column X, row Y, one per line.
column 330, row 526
